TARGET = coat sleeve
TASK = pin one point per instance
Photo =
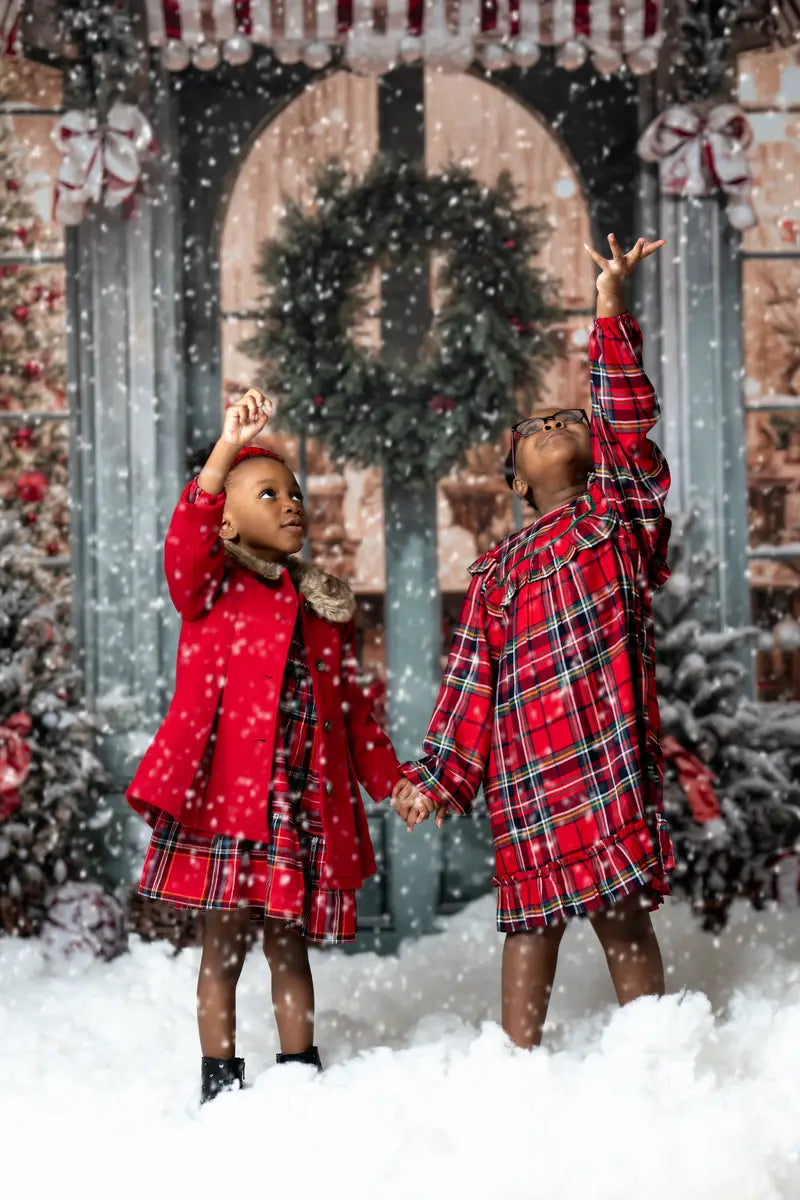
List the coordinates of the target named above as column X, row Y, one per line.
column 376, row 763
column 194, row 556
column 457, row 743
column 630, row 469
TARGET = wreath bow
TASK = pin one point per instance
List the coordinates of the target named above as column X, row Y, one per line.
column 702, row 153
column 99, row 160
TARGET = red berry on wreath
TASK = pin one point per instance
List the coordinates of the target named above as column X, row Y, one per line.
column 319, row 401
column 22, row 438
column 32, row 487
column 30, row 518
column 32, row 370
column 12, row 185
column 509, row 244
column 53, row 548
column 22, row 233
column 441, row 404
column 21, row 313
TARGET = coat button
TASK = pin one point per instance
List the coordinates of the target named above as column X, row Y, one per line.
column 327, row 726
column 328, row 787
column 320, row 664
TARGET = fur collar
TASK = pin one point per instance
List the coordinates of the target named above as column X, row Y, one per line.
column 329, row 597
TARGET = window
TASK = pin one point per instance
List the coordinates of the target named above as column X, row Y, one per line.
column 769, row 87
column 34, row 413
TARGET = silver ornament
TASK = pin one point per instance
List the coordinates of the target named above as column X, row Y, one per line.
column 495, row 57
column 411, row 48
column 606, row 61
column 237, row 50
column 571, row 55
column 525, row 53
column 175, row 55
column 644, row 59
column 206, row 56
column 317, row 55
column 288, row 53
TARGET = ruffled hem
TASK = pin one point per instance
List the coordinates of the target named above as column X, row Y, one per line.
column 584, row 883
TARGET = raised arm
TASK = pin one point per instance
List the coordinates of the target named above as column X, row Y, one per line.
column 630, row 469
column 194, row 561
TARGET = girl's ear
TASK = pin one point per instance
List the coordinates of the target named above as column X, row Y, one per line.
column 521, row 487
column 227, row 530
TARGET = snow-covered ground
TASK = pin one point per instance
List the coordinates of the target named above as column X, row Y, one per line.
column 693, row 1096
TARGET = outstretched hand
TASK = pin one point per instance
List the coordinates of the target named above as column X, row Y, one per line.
column 615, row 270
column 412, row 806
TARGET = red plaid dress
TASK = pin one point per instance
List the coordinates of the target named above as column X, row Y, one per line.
column 276, row 879
column 549, row 695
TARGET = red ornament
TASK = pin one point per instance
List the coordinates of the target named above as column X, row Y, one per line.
column 22, row 233
column 6, row 403
column 441, row 404
column 510, row 244
column 15, row 761
column 53, row 549
column 30, row 518
column 319, row 401
column 21, row 313
column 22, row 438
column 32, row 487
column 12, row 185
column 32, row 370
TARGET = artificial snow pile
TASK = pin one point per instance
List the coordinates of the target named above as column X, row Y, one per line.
column 693, row 1096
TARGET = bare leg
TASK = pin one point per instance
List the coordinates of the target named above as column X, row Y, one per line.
column 629, row 941
column 292, row 985
column 225, row 941
column 529, row 968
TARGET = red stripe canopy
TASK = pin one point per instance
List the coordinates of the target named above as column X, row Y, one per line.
column 378, row 34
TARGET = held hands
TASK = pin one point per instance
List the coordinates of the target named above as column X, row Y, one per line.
column 412, row 807
column 245, row 419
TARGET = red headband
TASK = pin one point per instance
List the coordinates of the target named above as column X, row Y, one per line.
column 255, row 452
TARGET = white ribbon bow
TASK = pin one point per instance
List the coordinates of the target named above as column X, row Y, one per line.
column 701, row 153
column 99, row 160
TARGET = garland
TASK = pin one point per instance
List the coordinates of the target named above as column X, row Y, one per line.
column 488, row 342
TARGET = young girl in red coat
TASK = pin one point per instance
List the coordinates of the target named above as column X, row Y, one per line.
column 549, row 695
column 251, row 783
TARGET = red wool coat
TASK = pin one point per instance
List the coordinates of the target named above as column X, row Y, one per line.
column 238, row 616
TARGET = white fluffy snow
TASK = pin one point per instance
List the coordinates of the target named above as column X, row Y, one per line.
column 693, row 1096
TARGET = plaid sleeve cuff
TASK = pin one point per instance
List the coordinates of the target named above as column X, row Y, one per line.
column 428, row 777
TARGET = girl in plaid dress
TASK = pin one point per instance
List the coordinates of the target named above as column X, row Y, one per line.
column 251, row 783
column 549, row 696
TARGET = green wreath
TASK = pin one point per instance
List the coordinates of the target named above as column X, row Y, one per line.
column 490, row 338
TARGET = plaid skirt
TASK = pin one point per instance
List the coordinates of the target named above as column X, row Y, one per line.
column 639, row 858
column 279, row 879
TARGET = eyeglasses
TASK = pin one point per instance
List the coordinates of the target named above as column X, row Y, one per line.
column 565, row 416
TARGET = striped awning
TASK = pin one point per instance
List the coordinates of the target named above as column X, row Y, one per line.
column 378, row 34
column 10, row 12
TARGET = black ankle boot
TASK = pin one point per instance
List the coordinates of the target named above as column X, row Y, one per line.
column 309, row 1057
column 218, row 1074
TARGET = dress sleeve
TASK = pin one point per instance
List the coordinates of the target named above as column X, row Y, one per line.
column 630, row 469
column 457, row 743
column 194, row 558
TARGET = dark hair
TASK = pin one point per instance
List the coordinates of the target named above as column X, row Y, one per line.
column 508, row 472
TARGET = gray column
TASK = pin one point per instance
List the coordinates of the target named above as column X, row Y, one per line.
column 704, row 425
column 128, row 448
column 413, row 603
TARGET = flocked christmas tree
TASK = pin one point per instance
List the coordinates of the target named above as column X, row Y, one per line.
column 50, row 814
column 34, row 449
column 732, row 782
